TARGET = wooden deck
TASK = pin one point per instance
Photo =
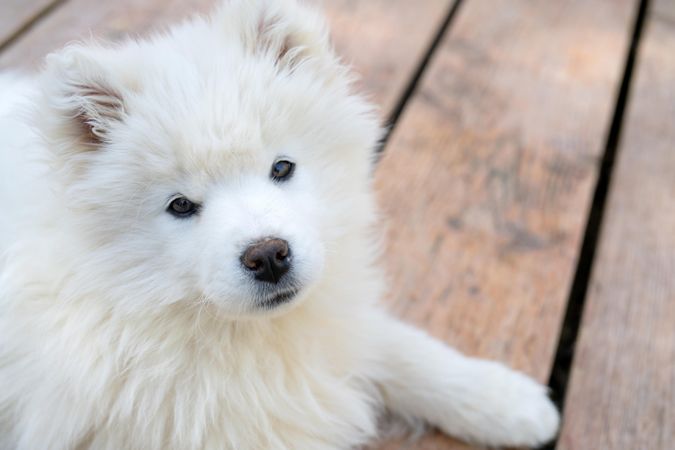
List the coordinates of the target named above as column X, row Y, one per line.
column 528, row 182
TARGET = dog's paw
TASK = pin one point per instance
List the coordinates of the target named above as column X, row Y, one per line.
column 503, row 407
column 530, row 418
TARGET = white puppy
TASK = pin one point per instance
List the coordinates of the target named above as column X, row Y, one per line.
column 188, row 254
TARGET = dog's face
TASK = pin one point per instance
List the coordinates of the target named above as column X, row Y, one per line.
column 223, row 163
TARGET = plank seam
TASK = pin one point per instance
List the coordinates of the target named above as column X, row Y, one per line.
column 29, row 24
column 412, row 84
column 564, row 357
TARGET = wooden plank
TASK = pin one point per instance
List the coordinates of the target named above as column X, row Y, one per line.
column 488, row 177
column 383, row 39
column 622, row 389
column 15, row 15
column 663, row 10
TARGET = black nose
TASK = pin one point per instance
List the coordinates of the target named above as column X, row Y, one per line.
column 268, row 259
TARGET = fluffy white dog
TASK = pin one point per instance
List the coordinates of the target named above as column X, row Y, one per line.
column 187, row 258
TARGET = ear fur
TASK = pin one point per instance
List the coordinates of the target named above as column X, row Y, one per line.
column 285, row 31
column 96, row 106
column 84, row 98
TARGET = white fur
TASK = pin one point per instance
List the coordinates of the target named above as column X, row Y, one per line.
column 123, row 327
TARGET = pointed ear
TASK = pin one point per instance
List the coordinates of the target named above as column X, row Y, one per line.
column 290, row 33
column 94, row 107
column 85, row 99
column 285, row 31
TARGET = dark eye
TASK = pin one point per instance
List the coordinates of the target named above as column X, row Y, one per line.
column 182, row 207
column 282, row 170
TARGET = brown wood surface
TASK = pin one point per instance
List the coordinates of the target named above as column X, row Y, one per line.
column 622, row 389
column 487, row 179
column 663, row 10
column 383, row 39
column 15, row 15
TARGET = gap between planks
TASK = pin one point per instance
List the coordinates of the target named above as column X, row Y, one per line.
column 564, row 357
column 410, row 88
column 621, row 393
column 30, row 23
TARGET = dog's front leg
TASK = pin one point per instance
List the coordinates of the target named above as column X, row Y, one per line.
column 477, row 400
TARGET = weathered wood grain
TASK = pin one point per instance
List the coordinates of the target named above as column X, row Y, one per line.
column 622, row 389
column 383, row 39
column 16, row 14
column 487, row 180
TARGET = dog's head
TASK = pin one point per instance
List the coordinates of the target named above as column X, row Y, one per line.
column 225, row 161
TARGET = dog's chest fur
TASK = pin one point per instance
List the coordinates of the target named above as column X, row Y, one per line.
column 189, row 381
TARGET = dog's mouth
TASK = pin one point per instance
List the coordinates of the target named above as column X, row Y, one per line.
column 278, row 298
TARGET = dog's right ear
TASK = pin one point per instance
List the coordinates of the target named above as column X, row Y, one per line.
column 85, row 98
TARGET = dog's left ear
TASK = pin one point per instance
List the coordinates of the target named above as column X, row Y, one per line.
column 285, row 31
column 85, row 97
column 291, row 33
